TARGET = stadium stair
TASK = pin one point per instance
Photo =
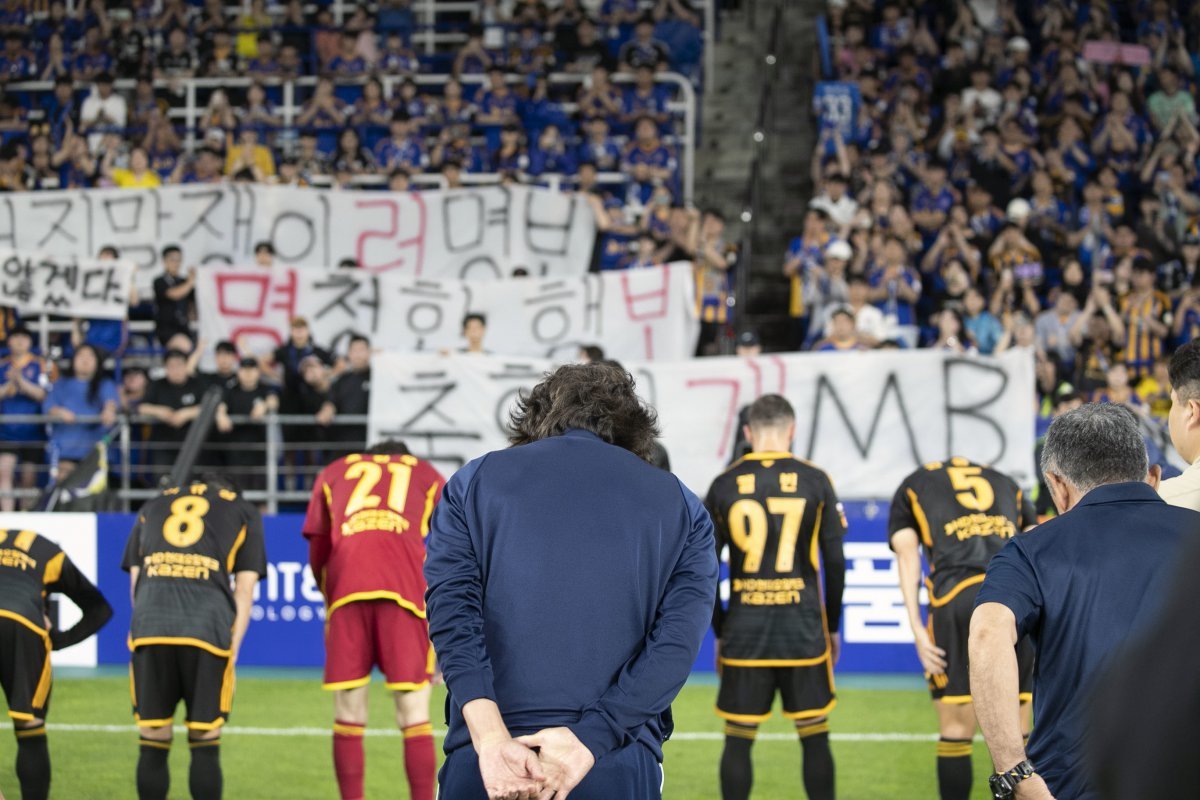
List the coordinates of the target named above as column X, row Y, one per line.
column 723, row 162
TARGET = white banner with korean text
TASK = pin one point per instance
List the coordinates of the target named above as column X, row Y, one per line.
column 83, row 288
column 484, row 232
column 643, row 314
column 867, row 418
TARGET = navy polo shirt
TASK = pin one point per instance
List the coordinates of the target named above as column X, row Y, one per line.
column 1079, row 586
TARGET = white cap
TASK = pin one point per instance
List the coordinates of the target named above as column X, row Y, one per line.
column 839, row 249
column 1018, row 210
column 1018, row 43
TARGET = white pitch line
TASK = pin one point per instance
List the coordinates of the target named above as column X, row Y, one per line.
column 685, row 736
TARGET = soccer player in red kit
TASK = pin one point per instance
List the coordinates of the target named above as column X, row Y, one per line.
column 366, row 528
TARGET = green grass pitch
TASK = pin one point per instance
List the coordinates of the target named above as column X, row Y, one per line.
column 883, row 743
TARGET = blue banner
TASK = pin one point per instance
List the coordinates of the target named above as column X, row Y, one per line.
column 287, row 624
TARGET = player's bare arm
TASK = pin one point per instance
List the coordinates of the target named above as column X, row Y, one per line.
column 243, row 598
column 908, row 561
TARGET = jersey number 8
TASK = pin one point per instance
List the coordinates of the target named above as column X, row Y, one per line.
column 185, row 526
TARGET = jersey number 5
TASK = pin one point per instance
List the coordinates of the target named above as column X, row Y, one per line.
column 972, row 489
column 748, row 530
column 368, row 474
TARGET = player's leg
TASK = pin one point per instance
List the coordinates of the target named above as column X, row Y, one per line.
column 8, row 468
column 349, row 656
column 155, row 691
column 207, row 681
column 956, row 729
column 350, row 723
column 25, row 679
column 743, row 701
column 808, row 697
column 407, row 661
column 951, row 691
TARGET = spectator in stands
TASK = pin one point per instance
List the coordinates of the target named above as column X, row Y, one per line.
column 174, row 401
column 264, row 64
column 453, row 108
column 952, row 334
column 218, row 115
column 474, row 330
column 644, row 49
column 473, row 58
column 600, row 149
column 1171, row 103
column 247, row 396
column 645, row 99
column 16, row 64
column 713, row 260
column 511, row 155
column 402, row 149
column 295, row 34
column 983, row 326
column 586, row 52
column 174, row 296
column 498, row 103
column 55, row 64
column 137, row 175
column 61, row 110
column 895, row 287
column 843, row 333
column 108, row 336
column 25, row 379
column 551, row 154
column 454, row 145
column 104, row 111
column 371, row 111
column 258, row 112
column 205, row 167
column 835, row 201
column 178, row 60
column 648, row 161
column 249, row 154
column 398, row 58
column 225, row 376
column 1146, row 313
column 92, row 62
column 350, row 396
column 264, row 256
column 1054, row 327
column 324, row 110
column 350, row 156
column 347, row 63
column 252, row 28
column 85, row 392
column 804, row 256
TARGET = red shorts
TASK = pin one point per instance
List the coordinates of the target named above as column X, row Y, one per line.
column 369, row 633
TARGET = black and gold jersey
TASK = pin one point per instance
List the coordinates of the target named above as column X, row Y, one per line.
column 780, row 518
column 31, row 567
column 963, row 513
column 187, row 543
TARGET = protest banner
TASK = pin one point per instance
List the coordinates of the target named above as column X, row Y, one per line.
column 83, row 288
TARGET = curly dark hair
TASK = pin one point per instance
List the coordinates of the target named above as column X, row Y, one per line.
column 600, row 397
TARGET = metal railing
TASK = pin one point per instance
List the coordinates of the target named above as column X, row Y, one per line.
column 135, row 472
column 761, row 140
column 192, row 109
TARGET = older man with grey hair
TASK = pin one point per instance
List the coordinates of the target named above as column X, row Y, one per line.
column 1078, row 586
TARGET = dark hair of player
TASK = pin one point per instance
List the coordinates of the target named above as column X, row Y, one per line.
column 389, row 447
column 594, row 352
column 600, row 398
column 220, row 480
column 770, row 411
column 1185, row 371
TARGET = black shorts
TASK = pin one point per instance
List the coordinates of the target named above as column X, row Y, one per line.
column 949, row 626
column 24, row 670
column 160, row 675
column 25, row 452
column 747, row 693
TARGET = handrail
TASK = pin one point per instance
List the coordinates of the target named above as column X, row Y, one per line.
column 289, row 108
column 760, row 141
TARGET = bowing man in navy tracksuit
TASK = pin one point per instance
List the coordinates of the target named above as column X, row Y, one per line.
column 570, row 585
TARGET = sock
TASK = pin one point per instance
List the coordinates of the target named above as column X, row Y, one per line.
column 205, row 780
column 737, row 771
column 153, row 773
column 818, row 760
column 954, row 768
column 420, row 761
column 33, row 763
column 348, row 758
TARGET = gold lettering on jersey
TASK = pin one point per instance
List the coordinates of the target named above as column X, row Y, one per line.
column 745, row 484
column 768, row 591
column 180, row 565
column 198, row 488
column 375, row 520
column 225, row 494
column 174, row 490
column 17, row 559
column 350, row 459
column 789, row 482
column 981, row 525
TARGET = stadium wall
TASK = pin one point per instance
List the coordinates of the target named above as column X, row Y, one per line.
column 288, row 615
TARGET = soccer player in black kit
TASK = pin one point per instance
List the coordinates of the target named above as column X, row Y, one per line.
column 32, row 566
column 960, row 514
column 188, row 624
column 782, row 522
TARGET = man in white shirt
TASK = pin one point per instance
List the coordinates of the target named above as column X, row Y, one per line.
column 836, row 202
column 868, row 320
column 104, row 111
column 1184, row 423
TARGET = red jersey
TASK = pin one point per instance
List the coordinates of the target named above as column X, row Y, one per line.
column 374, row 511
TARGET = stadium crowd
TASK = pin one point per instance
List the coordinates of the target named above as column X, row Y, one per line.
column 1012, row 175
